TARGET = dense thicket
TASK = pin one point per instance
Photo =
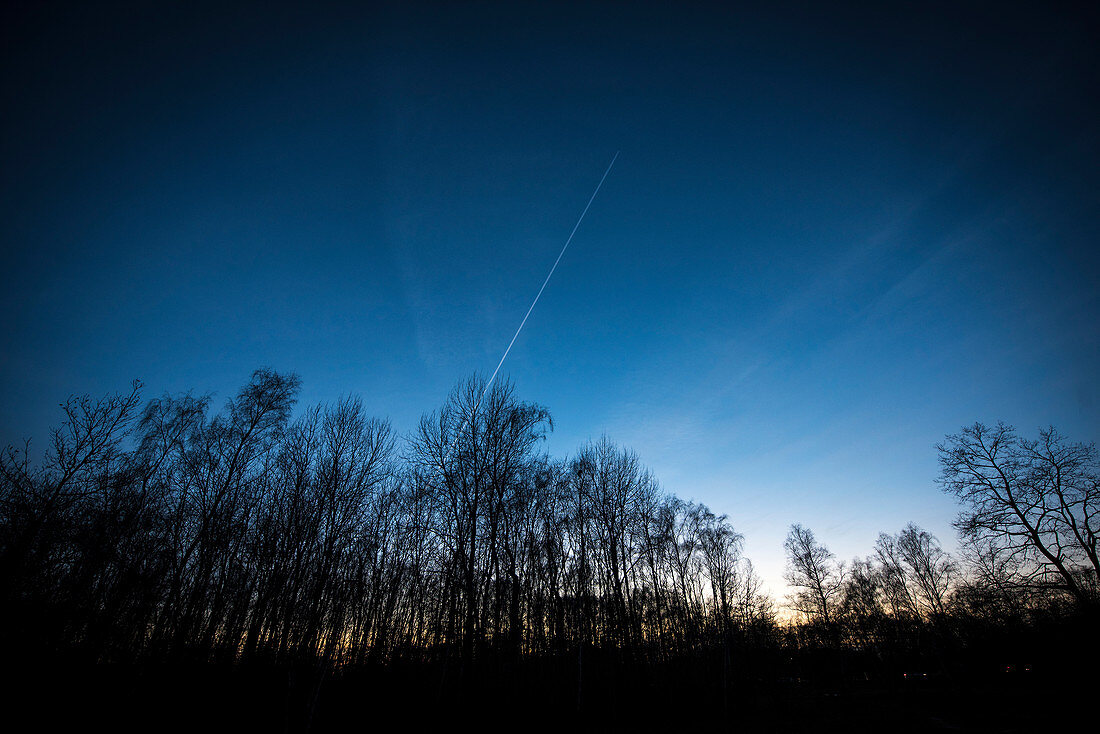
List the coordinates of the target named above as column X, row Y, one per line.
column 169, row 534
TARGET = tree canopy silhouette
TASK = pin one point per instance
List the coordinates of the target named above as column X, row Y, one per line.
column 322, row 543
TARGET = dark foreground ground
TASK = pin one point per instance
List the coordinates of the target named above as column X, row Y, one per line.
column 1015, row 698
column 1037, row 679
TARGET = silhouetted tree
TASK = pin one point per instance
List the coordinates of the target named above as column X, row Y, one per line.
column 815, row 575
column 473, row 455
column 1031, row 506
column 916, row 572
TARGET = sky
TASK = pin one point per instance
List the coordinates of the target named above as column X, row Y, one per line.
column 834, row 234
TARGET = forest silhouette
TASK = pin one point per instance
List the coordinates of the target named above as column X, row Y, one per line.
column 167, row 564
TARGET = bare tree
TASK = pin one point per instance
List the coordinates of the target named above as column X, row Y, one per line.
column 1033, row 503
column 58, row 522
column 931, row 570
column 861, row 604
column 916, row 572
column 896, row 589
column 815, row 575
column 473, row 454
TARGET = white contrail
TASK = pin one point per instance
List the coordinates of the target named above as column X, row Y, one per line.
column 548, row 276
column 532, row 306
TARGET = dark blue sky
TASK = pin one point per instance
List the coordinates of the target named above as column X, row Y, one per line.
column 832, row 236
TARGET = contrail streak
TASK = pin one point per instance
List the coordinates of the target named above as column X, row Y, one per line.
column 548, row 276
column 531, row 308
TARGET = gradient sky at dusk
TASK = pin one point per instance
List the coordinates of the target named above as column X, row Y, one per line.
column 832, row 236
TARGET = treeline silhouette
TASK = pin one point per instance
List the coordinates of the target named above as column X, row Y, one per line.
column 162, row 552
